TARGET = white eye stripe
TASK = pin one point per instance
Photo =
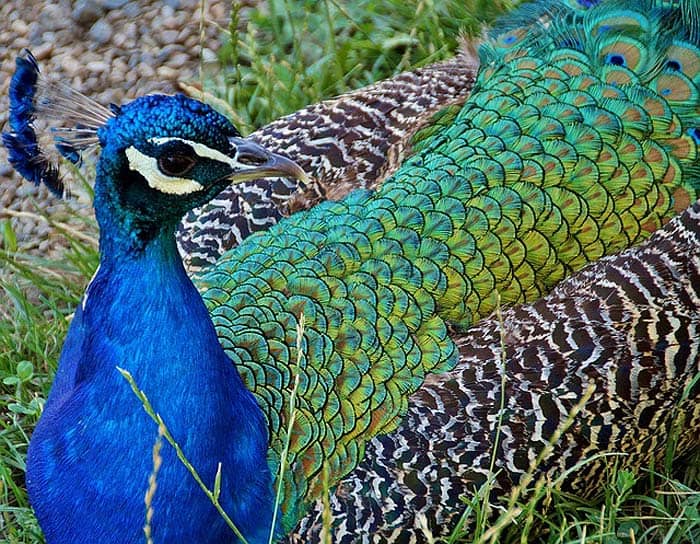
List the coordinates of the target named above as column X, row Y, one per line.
column 199, row 148
column 148, row 168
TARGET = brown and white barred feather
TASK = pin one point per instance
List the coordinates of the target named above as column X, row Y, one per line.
column 625, row 328
column 353, row 141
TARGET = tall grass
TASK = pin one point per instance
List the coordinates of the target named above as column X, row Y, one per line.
column 37, row 297
column 291, row 53
column 277, row 59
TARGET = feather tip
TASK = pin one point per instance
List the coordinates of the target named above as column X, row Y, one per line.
column 23, row 149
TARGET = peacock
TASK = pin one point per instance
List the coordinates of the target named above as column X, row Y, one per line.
column 579, row 139
column 352, row 141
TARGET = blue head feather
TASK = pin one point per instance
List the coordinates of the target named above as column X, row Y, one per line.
column 158, row 115
column 23, row 148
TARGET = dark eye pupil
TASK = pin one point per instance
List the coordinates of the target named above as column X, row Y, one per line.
column 175, row 165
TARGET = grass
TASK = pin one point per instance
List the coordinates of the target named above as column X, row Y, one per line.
column 38, row 296
column 276, row 61
column 294, row 53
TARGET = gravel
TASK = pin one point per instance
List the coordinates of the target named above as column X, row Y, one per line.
column 111, row 51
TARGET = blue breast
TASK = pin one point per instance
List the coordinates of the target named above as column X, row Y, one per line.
column 141, row 313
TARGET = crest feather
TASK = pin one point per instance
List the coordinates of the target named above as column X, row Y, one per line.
column 69, row 118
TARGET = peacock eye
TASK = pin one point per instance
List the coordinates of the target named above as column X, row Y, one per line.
column 176, row 164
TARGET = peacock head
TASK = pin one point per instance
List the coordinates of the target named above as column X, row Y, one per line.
column 160, row 155
column 163, row 155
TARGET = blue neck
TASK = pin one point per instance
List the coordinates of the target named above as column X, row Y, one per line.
column 125, row 234
column 90, row 456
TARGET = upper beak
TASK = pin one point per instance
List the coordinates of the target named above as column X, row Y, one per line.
column 254, row 161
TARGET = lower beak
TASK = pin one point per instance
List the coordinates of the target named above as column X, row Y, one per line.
column 254, row 162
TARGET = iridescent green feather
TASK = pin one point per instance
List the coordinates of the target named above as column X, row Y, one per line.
column 580, row 138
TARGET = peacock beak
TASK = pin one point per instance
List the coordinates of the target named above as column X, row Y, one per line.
column 254, row 162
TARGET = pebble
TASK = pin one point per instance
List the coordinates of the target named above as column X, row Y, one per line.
column 132, row 9
column 167, row 12
column 97, row 66
column 101, row 32
column 35, row 33
column 71, row 65
column 86, row 12
column 209, row 56
column 184, row 36
column 48, row 37
column 113, row 4
column 174, row 23
column 145, row 70
column 130, row 30
column 179, row 60
column 19, row 27
column 43, row 51
column 166, row 72
column 168, row 36
column 120, row 40
column 52, row 16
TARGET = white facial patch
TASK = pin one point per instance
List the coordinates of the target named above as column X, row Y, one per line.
column 202, row 150
column 148, row 168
